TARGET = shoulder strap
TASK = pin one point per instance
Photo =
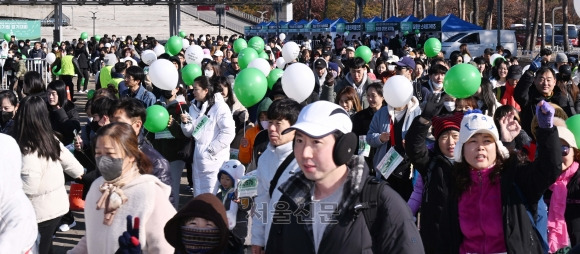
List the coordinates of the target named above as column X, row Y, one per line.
column 279, row 172
column 369, row 200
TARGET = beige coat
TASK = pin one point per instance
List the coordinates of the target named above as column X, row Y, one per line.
column 148, row 199
column 43, row 182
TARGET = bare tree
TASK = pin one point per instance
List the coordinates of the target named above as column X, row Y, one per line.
column 325, row 9
column 434, row 7
column 543, row 13
column 476, row 12
column 535, row 26
column 396, row 7
column 565, row 24
column 487, row 20
column 415, row 3
column 528, row 28
column 384, row 14
column 424, row 10
column 459, row 9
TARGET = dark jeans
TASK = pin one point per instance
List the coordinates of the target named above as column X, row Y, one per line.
column 46, row 230
column 69, row 84
column 83, row 78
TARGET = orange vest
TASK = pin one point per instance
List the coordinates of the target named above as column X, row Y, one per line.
column 245, row 155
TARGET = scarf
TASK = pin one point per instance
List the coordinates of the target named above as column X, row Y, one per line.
column 557, row 229
column 112, row 197
column 508, row 97
column 198, row 240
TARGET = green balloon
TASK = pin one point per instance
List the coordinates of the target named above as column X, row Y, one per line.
column 432, row 47
column 239, row 45
column 257, row 43
column 23, row 57
column 174, row 45
column 7, row 37
column 251, row 86
column 406, row 33
column 274, row 75
column 246, row 56
column 462, row 81
column 84, row 35
column 264, row 55
column 573, row 124
column 91, row 94
column 167, row 50
column 417, row 31
column 97, row 38
column 190, row 72
column 157, row 118
column 364, row 52
column 182, row 34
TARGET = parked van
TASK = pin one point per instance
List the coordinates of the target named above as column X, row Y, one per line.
column 559, row 35
column 477, row 41
column 521, row 33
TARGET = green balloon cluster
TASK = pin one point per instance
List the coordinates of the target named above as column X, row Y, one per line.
column 182, row 34
column 257, row 43
column 84, row 35
column 462, row 81
column 364, row 52
column 190, row 72
column 239, row 45
column 264, row 55
column 573, row 124
column 432, row 47
column 251, row 86
column 246, row 56
column 174, row 45
column 91, row 94
column 157, row 118
column 7, row 37
column 274, row 75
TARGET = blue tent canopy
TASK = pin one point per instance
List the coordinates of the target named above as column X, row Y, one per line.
column 366, row 20
column 452, row 23
column 431, row 18
column 410, row 18
column 326, row 21
column 394, row 19
column 302, row 22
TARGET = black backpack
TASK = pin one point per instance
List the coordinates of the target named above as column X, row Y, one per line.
column 369, row 200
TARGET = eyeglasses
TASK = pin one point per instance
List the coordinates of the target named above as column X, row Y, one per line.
column 234, row 62
column 565, row 150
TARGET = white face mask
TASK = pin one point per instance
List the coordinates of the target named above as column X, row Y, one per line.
column 391, row 67
column 264, row 124
column 449, row 105
column 437, row 85
column 209, row 73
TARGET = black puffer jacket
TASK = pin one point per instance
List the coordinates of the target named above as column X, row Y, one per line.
column 65, row 121
column 394, row 232
column 436, row 171
column 160, row 164
column 533, row 179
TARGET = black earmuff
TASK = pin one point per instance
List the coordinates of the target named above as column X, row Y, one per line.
column 344, row 148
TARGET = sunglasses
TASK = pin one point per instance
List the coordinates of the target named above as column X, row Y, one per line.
column 565, row 150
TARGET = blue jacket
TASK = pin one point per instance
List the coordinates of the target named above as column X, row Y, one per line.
column 142, row 94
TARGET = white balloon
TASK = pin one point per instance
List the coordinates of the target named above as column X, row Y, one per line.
column 262, row 65
column 50, row 58
column 194, row 54
column 163, row 74
column 282, row 36
column 290, row 51
column 159, row 49
column 148, row 57
column 398, row 91
column 186, row 44
column 280, row 63
column 493, row 57
column 298, row 81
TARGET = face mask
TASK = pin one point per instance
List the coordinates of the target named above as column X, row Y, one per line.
column 196, row 240
column 110, row 168
column 94, row 126
column 167, row 94
column 54, row 49
column 449, row 105
column 209, row 73
column 6, row 116
column 437, row 85
column 21, row 44
column 265, row 124
column 391, row 67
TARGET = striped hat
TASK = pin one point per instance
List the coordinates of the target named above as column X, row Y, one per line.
column 445, row 123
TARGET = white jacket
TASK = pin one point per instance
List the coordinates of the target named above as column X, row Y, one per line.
column 148, row 199
column 43, row 182
column 268, row 163
column 212, row 148
column 18, row 228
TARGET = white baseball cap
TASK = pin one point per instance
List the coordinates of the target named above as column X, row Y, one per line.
column 473, row 123
column 107, row 45
column 218, row 53
column 321, row 118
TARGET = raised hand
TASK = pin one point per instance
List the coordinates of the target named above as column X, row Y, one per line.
column 510, row 127
column 129, row 240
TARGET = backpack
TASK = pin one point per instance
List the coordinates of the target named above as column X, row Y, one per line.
column 369, row 200
column 279, row 172
column 540, row 224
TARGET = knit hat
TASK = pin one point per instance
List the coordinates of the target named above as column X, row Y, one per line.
column 445, row 123
column 514, row 72
column 561, row 58
column 474, row 122
column 234, row 169
column 264, row 105
column 206, row 206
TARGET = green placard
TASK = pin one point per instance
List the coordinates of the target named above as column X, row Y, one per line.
column 22, row 29
column 407, row 27
column 340, row 28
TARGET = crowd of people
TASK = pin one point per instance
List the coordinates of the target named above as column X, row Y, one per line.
column 341, row 172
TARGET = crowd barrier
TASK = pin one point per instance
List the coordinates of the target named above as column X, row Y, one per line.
column 38, row 65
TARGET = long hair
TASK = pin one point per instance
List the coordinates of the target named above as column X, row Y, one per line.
column 487, row 95
column 60, row 88
column 124, row 137
column 32, row 129
column 352, row 95
column 33, row 83
column 221, row 83
column 495, row 69
column 204, row 83
column 464, row 50
column 461, row 170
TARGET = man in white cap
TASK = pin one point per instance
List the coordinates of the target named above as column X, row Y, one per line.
column 332, row 205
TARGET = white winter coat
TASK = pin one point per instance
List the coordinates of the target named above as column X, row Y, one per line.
column 212, row 148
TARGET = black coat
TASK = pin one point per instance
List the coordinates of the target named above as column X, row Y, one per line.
column 65, row 121
column 172, row 149
column 436, row 171
column 533, row 179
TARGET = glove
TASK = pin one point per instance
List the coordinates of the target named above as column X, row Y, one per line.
column 432, row 107
column 545, row 114
column 536, row 64
column 129, row 240
column 329, row 80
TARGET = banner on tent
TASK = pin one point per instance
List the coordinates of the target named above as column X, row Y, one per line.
column 427, row 26
column 320, row 27
column 22, row 29
column 382, row 27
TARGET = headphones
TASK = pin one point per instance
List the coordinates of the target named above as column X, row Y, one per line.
column 344, row 148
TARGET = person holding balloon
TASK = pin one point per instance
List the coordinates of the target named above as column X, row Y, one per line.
column 211, row 124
